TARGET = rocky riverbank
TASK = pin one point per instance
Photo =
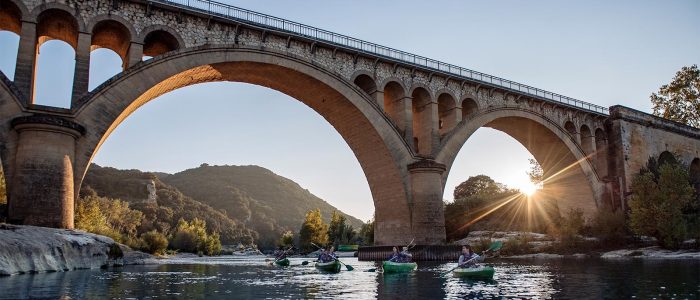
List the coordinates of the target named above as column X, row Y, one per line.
column 29, row 249
column 536, row 245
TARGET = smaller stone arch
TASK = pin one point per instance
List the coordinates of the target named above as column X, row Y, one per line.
column 447, row 113
column 11, row 16
column 112, row 35
column 469, row 107
column 424, row 122
column 666, row 157
column 57, row 24
column 395, row 104
column 159, row 39
column 365, row 82
column 417, row 86
column 42, row 8
column 571, row 129
column 381, row 85
column 587, row 140
column 124, row 22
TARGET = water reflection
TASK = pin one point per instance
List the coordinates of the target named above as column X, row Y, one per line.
column 241, row 278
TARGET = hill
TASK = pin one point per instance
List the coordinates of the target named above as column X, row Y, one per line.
column 244, row 203
column 253, row 194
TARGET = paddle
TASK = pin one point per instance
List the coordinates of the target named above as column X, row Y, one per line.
column 348, row 267
column 495, row 246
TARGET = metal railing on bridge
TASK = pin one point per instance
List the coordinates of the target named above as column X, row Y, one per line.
column 262, row 20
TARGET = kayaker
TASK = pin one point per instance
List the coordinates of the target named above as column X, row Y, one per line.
column 405, row 256
column 468, row 257
column 331, row 254
column 280, row 253
column 322, row 255
column 395, row 255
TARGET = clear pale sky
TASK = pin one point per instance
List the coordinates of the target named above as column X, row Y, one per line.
column 604, row 52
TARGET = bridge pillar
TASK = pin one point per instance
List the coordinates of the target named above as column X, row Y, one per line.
column 26, row 57
column 42, row 185
column 427, row 215
column 82, row 67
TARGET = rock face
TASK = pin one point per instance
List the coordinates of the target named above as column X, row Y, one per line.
column 29, row 249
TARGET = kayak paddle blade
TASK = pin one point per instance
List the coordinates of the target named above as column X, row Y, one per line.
column 304, row 263
column 495, row 246
column 372, row 270
column 349, row 267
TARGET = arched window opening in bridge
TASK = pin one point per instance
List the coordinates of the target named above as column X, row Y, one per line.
column 394, row 105
column 10, row 30
column 447, row 113
column 587, row 140
column 158, row 42
column 367, row 84
column 424, row 124
column 104, row 64
column 666, row 157
column 109, row 49
column 469, row 107
column 57, row 39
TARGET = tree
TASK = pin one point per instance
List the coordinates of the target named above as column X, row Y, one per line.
column 192, row 237
column 536, row 173
column 313, row 230
column 658, row 201
column 367, row 232
column 154, row 242
column 680, row 100
column 336, row 230
column 478, row 185
column 287, row 239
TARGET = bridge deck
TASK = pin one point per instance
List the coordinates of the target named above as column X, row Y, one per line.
column 236, row 14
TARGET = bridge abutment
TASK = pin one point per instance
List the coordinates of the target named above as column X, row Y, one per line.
column 42, row 185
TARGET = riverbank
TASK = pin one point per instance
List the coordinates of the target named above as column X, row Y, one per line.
column 532, row 245
column 30, row 249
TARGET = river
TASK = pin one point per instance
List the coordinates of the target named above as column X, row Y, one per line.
column 231, row 277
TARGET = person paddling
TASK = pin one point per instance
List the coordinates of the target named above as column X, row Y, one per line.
column 395, row 255
column 468, row 258
column 331, row 254
column 405, row 256
column 280, row 254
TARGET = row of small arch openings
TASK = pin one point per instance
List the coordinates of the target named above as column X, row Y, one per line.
column 413, row 111
column 53, row 30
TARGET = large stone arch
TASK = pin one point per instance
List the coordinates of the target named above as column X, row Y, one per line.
column 378, row 146
column 573, row 177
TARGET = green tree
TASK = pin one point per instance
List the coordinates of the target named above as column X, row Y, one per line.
column 287, row 239
column 192, row 237
column 336, row 230
column 154, row 242
column 478, row 185
column 680, row 100
column 535, row 173
column 90, row 217
column 313, row 230
column 658, row 201
column 367, row 232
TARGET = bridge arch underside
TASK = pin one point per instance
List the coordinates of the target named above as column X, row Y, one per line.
column 569, row 176
column 376, row 144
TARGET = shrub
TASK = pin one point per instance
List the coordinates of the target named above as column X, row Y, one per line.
column 609, row 227
column 154, row 242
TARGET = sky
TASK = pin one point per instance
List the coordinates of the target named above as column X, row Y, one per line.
column 603, row 52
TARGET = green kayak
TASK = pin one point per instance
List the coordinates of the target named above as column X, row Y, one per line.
column 393, row 267
column 333, row 266
column 282, row 262
column 477, row 272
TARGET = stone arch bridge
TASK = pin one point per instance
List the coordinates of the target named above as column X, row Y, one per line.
column 405, row 117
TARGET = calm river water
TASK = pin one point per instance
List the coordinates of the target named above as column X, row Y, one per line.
column 229, row 277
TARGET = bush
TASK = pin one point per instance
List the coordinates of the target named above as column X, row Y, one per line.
column 154, row 242
column 659, row 196
column 192, row 237
column 609, row 227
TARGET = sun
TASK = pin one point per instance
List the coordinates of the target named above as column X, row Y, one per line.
column 528, row 188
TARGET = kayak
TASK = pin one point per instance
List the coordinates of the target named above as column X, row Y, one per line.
column 477, row 272
column 394, row 267
column 333, row 266
column 282, row 262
